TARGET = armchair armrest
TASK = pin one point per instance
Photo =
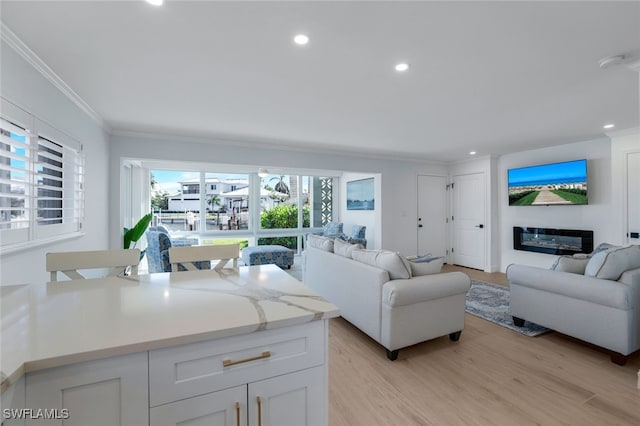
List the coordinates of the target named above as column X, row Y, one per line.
column 425, row 287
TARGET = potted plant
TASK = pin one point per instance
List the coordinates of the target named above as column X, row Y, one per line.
column 131, row 236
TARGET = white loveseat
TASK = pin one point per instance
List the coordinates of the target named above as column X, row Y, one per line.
column 598, row 301
column 395, row 312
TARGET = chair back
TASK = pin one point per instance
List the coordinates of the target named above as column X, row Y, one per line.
column 188, row 256
column 69, row 262
column 158, row 245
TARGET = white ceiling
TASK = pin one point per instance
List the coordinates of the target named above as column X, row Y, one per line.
column 494, row 77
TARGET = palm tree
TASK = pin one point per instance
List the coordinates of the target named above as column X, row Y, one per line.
column 214, row 202
column 280, row 186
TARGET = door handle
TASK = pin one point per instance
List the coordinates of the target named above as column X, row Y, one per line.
column 480, row 226
column 259, row 401
column 420, row 226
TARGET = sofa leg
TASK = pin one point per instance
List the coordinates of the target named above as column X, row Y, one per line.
column 618, row 358
column 519, row 322
column 454, row 337
column 392, row 355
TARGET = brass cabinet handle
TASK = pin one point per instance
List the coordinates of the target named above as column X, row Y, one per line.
column 259, row 411
column 237, row 413
column 229, row 363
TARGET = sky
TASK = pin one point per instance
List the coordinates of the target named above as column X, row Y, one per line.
column 549, row 172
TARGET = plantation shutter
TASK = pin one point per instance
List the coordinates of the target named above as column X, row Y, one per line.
column 15, row 182
column 59, row 172
column 41, row 180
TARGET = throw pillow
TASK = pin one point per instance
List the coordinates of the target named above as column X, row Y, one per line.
column 383, row 259
column 611, row 263
column 601, row 247
column 320, row 242
column 358, row 231
column 434, row 266
column 332, row 229
column 573, row 264
column 344, row 249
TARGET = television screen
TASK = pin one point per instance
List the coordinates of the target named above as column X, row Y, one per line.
column 549, row 184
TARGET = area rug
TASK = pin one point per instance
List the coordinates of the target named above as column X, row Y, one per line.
column 491, row 302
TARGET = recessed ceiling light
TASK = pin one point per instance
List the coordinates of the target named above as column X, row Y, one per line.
column 608, row 126
column 155, row 2
column 301, row 39
column 472, row 153
column 401, row 67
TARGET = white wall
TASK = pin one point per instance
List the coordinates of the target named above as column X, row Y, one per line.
column 368, row 218
column 23, row 86
column 397, row 183
column 597, row 216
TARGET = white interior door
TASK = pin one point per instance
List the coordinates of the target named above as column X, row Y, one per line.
column 633, row 197
column 432, row 215
column 468, row 220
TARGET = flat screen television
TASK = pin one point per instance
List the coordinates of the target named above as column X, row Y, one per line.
column 549, row 184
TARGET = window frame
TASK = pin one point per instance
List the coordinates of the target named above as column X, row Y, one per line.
column 253, row 231
column 71, row 181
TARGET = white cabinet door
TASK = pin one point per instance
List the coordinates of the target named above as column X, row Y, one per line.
column 223, row 408
column 295, row 399
column 108, row 392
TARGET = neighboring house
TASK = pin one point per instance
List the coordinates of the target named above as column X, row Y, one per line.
column 189, row 197
column 233, row 194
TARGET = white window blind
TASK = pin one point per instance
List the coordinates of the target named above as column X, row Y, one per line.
column 15, row 179
column 41, row 182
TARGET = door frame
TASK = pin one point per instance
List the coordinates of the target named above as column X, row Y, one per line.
column 447, row 179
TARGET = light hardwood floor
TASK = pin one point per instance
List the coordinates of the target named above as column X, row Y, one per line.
column 492, row 376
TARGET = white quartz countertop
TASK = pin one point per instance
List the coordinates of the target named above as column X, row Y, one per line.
column 65, row 322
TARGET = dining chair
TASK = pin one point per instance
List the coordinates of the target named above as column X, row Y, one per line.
column 69, row 262
column 189, row 256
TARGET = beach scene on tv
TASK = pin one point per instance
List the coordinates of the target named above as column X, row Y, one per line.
column 549, row 184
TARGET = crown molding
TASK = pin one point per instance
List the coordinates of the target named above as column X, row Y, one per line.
column 634, row 131
column 263, row 143
column 635, row 65
column 14, row 42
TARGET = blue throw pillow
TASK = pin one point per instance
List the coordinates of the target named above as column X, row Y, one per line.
column 332, row 229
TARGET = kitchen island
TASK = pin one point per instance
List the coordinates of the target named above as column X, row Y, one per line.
column 160, row 349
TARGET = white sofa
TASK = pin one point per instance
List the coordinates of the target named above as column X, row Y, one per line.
column 598, row 302
column 394, row 312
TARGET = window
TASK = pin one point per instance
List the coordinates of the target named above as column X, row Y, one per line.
column 229, row 205
column 41, row 180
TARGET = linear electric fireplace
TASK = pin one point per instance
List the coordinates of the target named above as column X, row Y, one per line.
column 552, row 241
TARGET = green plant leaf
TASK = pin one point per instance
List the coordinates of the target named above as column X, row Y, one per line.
column 134, row 234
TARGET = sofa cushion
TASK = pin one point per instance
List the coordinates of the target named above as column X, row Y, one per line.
column 611, row 263
column 433, row 266
column 320, row 242
column 574, row 264
column 384, row 259
column 344, row 249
